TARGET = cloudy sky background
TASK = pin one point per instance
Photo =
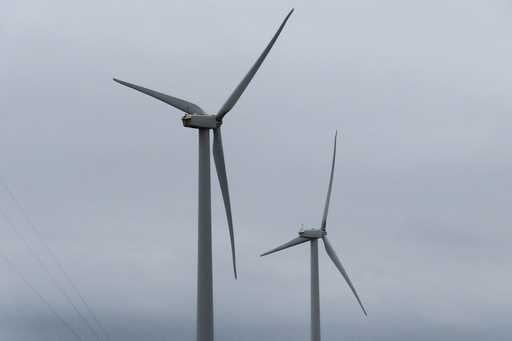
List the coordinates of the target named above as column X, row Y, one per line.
column 420, row 212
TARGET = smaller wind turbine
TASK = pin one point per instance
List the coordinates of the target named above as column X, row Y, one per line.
column 312, row 236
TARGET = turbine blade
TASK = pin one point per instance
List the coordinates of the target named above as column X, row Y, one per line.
column 178, row 103
column 337, row 262
column 218, row 156
column 328, row 199
column 230, row 103
column 293, row 242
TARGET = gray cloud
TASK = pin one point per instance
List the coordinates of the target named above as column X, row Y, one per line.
column 419, row 214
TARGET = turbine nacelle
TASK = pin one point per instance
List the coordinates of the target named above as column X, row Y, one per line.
column 312, row 233
column 198, row 121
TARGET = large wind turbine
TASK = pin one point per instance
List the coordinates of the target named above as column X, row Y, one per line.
column 196, row 118
column 312, row 236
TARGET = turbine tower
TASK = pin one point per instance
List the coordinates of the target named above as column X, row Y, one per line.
column 312, row 236
column 196, row 118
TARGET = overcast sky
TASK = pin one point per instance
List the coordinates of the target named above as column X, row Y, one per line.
column 420, row 212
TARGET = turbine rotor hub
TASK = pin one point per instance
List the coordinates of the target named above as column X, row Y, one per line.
column 201, row 121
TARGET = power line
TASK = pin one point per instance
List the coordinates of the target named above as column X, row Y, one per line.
column 40, row 296
column 45, row 268
column 68, row 278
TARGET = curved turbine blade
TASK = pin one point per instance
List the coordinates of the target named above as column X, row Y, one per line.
column 178, row 103
column 293, row 242
column 336, row 261
column 327, row 200
column 231, row 101
column 218, row 156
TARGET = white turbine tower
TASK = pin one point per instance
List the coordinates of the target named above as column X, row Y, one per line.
column 196, row 118
column 312, row 236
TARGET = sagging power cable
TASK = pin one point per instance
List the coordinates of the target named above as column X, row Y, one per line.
column 52, row 310
column 44, row 266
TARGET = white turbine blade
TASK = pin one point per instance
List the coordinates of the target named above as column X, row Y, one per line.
column 328, row 199
column 218, row 156
column 293, row 242
column 230, row 103
column 336, row 261
column 178, row 103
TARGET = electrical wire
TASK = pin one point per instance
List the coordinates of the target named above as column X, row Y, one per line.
column 68, row 278
column 40, row 296
column 45, row 268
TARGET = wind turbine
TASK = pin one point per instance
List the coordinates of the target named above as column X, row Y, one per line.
column 312, row 236
column 196, row 118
